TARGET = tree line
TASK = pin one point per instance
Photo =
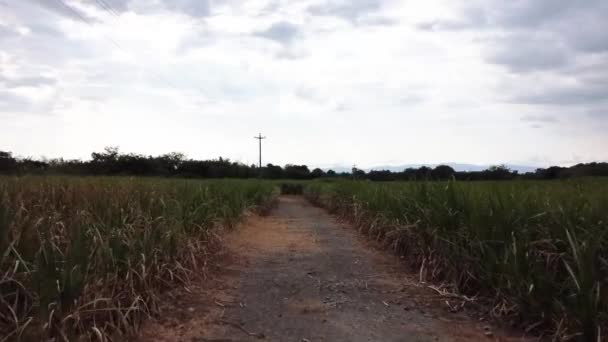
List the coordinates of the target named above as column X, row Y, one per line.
column 112, row 162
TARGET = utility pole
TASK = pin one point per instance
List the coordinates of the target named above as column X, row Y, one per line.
column 260, row 138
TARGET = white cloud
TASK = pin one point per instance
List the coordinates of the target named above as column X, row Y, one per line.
column 328, row 82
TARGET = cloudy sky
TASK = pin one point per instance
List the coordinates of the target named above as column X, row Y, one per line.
column 370, row 82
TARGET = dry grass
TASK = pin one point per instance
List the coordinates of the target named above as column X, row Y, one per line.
column 86, row 258
column 537, row 250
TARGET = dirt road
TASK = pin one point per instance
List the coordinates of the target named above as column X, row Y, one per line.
column 299, row 275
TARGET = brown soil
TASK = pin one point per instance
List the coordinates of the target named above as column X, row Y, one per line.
column 299, row 275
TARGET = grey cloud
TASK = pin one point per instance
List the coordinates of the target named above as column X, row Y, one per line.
column 113, row 5
column 42, row 50
column 44, row 29
column 522, row 53
column 581, row 89
column 350, row 10
column 342, row 107
column 14, row 104
column 581, row 94
column 64, row 8
column 194, row 8
column 6, row 32
column 272, row 6
column 521, row 14
column 557, row 48
column 576, row 27
column 586, row 33
column 378, row 21
column 34, row 14
column 531, row 13
column 599, row 113
column 409, row 100
column 473, row 17
column 443, row 25
column 10, row 102
column 282, row 32
column 61, row 8
column 34, row 81
column 309, row 94
column 290, row 54
column 46, row 44
column 539, row 119
column 199, row 39
column 304, row 92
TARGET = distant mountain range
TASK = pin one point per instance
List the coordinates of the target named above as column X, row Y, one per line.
column 455, row 166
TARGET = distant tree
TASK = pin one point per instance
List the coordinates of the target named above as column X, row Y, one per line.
column 317, row 173
column 110, row 153
column 381, row 175
column 273, row 171
column 136, row 164
column 408, row 174
column 297, row 171
column 552, row 172
column 105, row 162
column 170, row 162
column 111, row 162
column 358, row 173
column 8, row 164
column 68, row 167
column 31, row 166
column 498, row 172
column 423, row 173
column 590, row 169
column 442, row 172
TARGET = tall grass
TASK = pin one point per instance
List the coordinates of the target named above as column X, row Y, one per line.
column 538, row 249
column 90, row 256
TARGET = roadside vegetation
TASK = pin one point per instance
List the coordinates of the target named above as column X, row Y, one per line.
column 90, row 256
column 536, row 250
column 85, row 254
column 112, row 162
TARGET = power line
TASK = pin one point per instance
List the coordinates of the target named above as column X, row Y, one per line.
column 115, row 43
column 110, row 9
column 74, row 12
column 105, row 5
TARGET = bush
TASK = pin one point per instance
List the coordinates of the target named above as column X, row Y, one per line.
column 292, row 189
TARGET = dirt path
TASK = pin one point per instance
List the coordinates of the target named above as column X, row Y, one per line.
column 299, row 275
